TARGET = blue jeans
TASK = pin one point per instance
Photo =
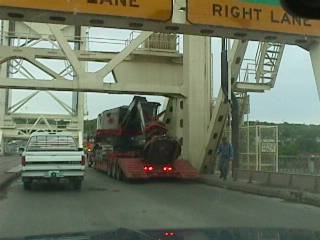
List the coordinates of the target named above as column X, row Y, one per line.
column 224, row 168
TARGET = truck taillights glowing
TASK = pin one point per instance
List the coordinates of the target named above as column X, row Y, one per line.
column 167, row 169
column 150, row 169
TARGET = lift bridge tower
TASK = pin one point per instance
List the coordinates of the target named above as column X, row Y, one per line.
column 151, row 63
column 18, row 126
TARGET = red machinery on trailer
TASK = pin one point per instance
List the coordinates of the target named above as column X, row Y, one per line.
column 131, row 143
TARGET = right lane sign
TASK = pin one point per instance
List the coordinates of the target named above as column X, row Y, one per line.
column 257, row 15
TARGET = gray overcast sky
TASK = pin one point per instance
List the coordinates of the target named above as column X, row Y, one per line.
column 294, row 98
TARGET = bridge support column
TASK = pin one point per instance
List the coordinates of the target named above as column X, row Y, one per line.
column 315, row 59
column 80, row 116
column 4, row 93
column 3, row 104
column 79, row 97
column 197, row 72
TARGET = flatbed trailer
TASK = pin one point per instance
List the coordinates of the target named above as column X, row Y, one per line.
column 121, row 167
column 131, row 143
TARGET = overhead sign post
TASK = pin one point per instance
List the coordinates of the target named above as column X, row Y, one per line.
column 156, row 10
column 257, row 15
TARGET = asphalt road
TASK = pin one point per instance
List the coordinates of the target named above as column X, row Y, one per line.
column 105, row 204
column 8, row 162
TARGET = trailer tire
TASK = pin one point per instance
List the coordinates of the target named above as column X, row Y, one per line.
column 96, row 166
column 77, row 184
column 119, row 173
column 113, row 172
column 108, row 168
column 27, row 186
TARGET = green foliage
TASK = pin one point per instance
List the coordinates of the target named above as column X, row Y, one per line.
column 90, row 127
column 296, row 139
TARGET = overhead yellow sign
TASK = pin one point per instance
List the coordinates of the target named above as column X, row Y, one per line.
column 157, row 10
column 259, row 15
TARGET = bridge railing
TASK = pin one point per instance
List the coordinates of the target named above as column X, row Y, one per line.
column 302, row 182
column 157, row 41
column 299, row 164
column 248, row 71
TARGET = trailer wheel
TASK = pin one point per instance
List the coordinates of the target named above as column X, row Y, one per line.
column 114, row 170
column 77, row 184
column 108, row 169
column 119, row 173
column 27, row 185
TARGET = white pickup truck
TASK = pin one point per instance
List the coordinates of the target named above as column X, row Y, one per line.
column 52, row 157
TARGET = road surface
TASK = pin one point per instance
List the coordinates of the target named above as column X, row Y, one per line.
column 105, row 204
column 8, row 162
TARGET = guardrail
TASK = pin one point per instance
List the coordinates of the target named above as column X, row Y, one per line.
column 158, row 41
column 310, row 183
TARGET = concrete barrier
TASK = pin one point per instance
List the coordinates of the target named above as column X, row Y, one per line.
column 262, row 189
column 308, row 183
column 304, row 182
column 279, row 180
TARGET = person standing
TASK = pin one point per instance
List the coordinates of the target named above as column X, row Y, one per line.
column 225, row 153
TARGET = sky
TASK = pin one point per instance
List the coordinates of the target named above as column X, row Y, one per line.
column 294, row 98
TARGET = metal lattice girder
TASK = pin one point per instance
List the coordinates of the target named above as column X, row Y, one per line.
column 9, row 52
column 315, row 59
column 131, row 66
column 120, row 57
column 31, row 60
column 93, row 86
column 71, row 56
column 172, row 116
column 236, row 55
column 14, row 108
column 215, row 132
column 242, row 87
column 268, row 60
column 133, row 76
column 17, row 125
column 221, row 109
column 260, row 74
column 65, row 106
column 179, row 23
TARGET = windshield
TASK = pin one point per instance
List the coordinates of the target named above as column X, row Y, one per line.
column 51, row 143
column 179, row 119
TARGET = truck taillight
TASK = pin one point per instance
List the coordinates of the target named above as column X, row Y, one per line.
column 83, row 160
column 148, row 169
column 169, row 234
column 167, row 169
column 23, row 161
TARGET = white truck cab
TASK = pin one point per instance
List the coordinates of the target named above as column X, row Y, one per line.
column 52, row 157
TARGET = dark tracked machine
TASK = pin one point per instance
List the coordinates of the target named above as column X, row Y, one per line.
column 132, row 143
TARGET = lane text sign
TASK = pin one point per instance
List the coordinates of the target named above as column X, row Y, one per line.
column 157, row 10
column 259, row 15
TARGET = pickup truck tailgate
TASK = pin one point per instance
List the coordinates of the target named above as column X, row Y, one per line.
column 54, row 157
column 68, row 163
